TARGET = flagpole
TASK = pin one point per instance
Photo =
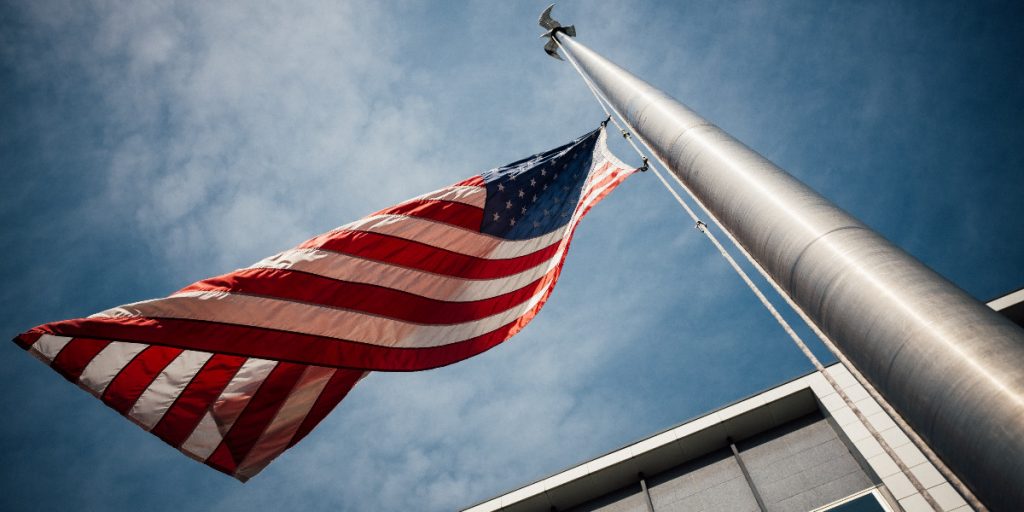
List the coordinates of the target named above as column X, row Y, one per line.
column 948, row 364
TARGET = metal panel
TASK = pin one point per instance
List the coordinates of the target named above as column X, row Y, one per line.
column 713, row 483
column 953, row 368
column 802, row 465
column 627, row 499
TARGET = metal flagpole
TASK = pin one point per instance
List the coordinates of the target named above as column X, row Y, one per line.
column 797, row 340
column 948, row 364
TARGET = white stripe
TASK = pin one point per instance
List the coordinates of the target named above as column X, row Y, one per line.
column 450, row 237
column 615, row 176
column 470, row 195
column 107, row 364
column 225, row 410
column 286, row 422
column 425, row 284
column 204, row 438
column 48, row 346
column 231, row 308
column 162, row 392
column 603, row 153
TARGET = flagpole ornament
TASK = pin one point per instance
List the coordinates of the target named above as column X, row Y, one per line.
column 950, row 366
column 553, row 27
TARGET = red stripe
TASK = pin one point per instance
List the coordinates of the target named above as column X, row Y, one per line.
column 186, row 412
column 475, row 181
column 449, row 212
column 261, row 409
column 136, row 376
column 222, row 460
column 340, row 384
column 410, row 254
column 377, row 300
column 76, row 355
column 26, row 340
column 277, row 345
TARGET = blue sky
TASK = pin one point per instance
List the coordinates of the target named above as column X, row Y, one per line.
column 144, row 146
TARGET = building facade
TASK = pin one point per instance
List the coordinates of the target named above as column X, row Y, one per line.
column 797, row 447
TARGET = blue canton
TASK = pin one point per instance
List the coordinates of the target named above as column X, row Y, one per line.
column 537, row 195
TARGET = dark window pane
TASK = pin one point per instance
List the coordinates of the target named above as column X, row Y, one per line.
column 866, row 503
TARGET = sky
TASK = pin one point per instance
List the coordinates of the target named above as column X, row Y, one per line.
column 147, row 145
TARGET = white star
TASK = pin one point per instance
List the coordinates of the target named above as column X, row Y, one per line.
column 543, row 172
column 496, row 217
column 546, row 212
column 533, row 182
column 535, row 198
column 555, row 177
column 523, row 211
column 508, row 205
column 536, row 224
column 501, row 188
column 521, row 193
column 545, row 187
column 512, row 222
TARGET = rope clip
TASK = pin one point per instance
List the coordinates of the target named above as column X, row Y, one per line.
column 625, row 134
column 647, row 165
column 701, row 226
column 605, row 122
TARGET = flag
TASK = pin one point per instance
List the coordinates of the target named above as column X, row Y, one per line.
column 235, row 369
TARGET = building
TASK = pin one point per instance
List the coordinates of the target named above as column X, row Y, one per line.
column 796, row 447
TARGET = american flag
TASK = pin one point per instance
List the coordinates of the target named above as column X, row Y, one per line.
column 235, row 369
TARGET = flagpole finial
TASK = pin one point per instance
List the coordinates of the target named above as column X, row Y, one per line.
column 553, row 27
